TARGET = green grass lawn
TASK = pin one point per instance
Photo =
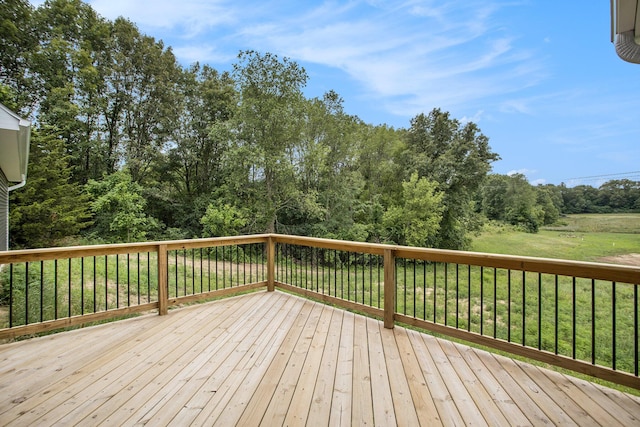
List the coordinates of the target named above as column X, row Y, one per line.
column 578, row 237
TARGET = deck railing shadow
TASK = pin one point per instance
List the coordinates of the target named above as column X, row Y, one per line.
column 576, row 315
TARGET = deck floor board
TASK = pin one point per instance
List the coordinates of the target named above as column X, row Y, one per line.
column 270, row 358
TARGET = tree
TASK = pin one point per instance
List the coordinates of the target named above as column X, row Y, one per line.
column 268, row 126
column 417, row 220
column 511, row 198
column 579, row 199
column 18, row 41
column 458, row 158
column 145, row 99
column 620, row 195
column 196, row 167
column 520, row 204
column 223, row 220
column 50, row 207
column 549, row 199
column 68, row 66
column 119, row 209
column 493, row 195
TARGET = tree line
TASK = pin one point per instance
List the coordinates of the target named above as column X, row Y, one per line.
column 127, row 145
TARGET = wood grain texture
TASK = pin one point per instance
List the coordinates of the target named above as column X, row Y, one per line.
column 271, row 358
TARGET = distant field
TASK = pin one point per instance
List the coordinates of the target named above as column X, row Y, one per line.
column 595, row 237
column 598, row 223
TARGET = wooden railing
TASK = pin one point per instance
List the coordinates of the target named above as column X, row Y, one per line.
column 47, row 289
column 576, row 315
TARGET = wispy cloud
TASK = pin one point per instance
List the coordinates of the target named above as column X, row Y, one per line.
column 408, row 55
column 192, row 17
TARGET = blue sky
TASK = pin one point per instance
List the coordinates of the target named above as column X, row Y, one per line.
column 540, row 78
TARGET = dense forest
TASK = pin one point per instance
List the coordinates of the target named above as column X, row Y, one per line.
column 127, row 145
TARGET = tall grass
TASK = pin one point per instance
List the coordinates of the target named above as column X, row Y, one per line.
column 584, row 319
column 53, row 289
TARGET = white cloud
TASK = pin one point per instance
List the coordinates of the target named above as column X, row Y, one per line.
column 408, row 56
column 419, row 55
column 476, row 118
column 192, row 17
column 523, row 171
column 203, row 54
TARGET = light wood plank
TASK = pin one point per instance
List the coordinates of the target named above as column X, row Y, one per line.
column 87, row 399
column 320, row 410
column 490, row 412
column 341, row 401
column 303, row 395
column 400, row 392
column 40, row 362
column 543, row 403
column 443, row 400
column 422, row 399
column 461, row 397
column 168, row 392
column 557, row 395
column 525, row 402
column 496, row 390
column 239, row 384
column 271, row 357
column 383, row 411
column 362, row 410
column 595, row 408
column 623, row 407
column 276, row 412
column 253, row 412
column 89, row 371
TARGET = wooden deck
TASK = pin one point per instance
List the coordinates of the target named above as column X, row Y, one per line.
column 276, row 359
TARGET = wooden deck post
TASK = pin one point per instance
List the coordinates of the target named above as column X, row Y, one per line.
column 163, row 286
column 389, row 288
column 271, row 267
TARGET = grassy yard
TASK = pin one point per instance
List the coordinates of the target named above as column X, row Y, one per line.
column 576, row 237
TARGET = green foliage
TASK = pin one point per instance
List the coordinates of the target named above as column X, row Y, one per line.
column 512, row 199
column 417, row 220
column 613, row 196
column 17, row 42
column 49, row 207
column 270, row 91
column 116, row 99
column 223, row 220
column 458, row 157
column 119, row 209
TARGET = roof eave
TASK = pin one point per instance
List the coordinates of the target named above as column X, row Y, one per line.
column 14, row 161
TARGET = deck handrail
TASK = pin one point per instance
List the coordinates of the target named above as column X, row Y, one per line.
column 168, row 273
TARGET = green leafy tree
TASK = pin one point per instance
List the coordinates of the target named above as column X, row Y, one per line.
column 119, row 209
column 512, row 199
column 549, row 200
column 196, row 168
column 417, row 220
column 520, row 204
column 223, row 220
column 18, row 41
column 144, row 100
column 620, row 195
column 493, row 195
column 68, row 66
column 325, row 164
column 458, row 158
column 579, row 199
column 268, row 126
column 49, row 207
